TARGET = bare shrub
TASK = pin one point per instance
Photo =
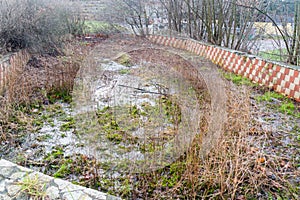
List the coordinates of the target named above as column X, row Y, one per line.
column 40, row 25
column 44, row 74
column 33, row 84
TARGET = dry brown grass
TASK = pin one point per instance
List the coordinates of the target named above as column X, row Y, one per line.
column 31, row 84
column 236, row 168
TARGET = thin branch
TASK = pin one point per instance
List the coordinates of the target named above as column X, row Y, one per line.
column 143, row 90
column 271, row 19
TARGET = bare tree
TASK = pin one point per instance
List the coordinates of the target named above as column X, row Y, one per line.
column 215, row 21
column 281, row 17
column 134, row 13
column 175, row 11
column 228, row 23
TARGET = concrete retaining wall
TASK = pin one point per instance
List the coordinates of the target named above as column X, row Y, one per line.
column 284, row 79
column 10, row 64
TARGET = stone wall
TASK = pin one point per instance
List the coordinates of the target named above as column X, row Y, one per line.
column 9, row 64
column 284, row 79
column 13, row 177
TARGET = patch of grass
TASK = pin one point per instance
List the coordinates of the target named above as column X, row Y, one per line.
column 59, row 94
column 125, row 60
column 115, row 137
column 134, row 111
column 171, row 110
column 54, row 108
column 287, row 108
column 80, row 168
column 270, row 96
column 56, row 153
column 124, row 71
column 32, row 186
column 43, row 137
column 67, row 126
column 126, row 187
column 274, row 55
column 149, row 147
column 237, row 79
column 37, row 123
column 20, row 159
column 92, row 26
column 280, row 102
column 174, row 175
column 62, row 171
column 113, row 131
column 70, row 123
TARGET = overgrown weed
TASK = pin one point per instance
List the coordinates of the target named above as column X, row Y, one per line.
column 238, row 79
column 279, row 102
column 236, row 168
column 33, row 187
column 273, row 99
column 43, row 81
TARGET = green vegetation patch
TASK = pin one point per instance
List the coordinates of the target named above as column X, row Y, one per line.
column 171, row 109
column 24, row 118
column 274, row 55
column 91, row 26
column 280, row 102
column 38, row 123
column 124, row 71
column 77, row 167
column 119, row 123
column 125, row 60
column 238, row 79
column 70, row 124
column 288, row 108
column 63, row 170
column 115, row 129
column 33, row 187
column 59, row 94
column 270, row 96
